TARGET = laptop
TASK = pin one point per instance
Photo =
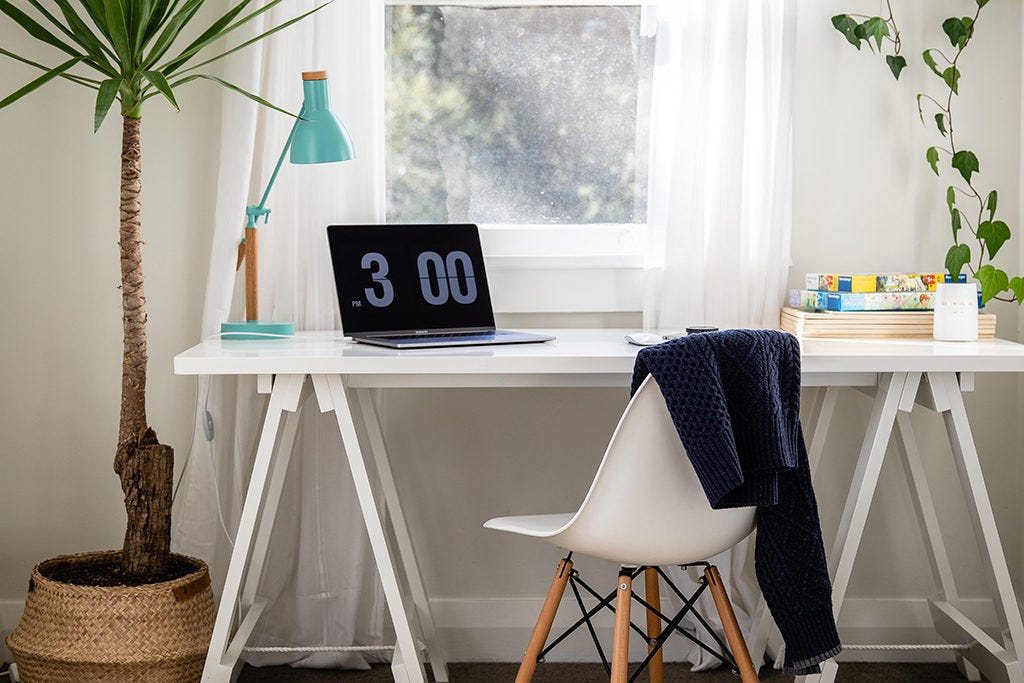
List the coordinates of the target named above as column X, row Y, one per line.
column 415, row 286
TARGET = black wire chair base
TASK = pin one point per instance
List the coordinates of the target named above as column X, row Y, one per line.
column 671, row 624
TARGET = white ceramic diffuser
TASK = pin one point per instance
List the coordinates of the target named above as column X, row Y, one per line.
column 956, row 312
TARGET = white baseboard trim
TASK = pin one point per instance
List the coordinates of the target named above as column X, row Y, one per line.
column 497, row 629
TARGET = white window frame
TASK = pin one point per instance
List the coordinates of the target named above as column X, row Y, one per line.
column 556, row 268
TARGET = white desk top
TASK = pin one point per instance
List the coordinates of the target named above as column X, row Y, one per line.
column 577, row 351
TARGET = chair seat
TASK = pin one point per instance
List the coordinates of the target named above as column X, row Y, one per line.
column 538, row 526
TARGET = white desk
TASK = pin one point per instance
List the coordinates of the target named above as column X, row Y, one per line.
column 900, row 373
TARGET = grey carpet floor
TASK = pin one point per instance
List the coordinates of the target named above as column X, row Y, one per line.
column 589, row 673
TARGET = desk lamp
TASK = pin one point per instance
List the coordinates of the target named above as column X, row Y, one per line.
column 317, row 137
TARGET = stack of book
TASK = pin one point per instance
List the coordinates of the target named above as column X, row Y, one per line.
column 874, row 305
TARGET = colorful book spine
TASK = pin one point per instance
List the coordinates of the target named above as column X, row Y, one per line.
column 877, row 282
column 861, row 301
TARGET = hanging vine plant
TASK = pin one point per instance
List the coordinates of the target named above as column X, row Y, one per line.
column 972, row 210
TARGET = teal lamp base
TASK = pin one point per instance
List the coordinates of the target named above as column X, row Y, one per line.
column 257, row 329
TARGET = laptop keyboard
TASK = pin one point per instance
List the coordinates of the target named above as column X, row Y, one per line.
column 446, row 335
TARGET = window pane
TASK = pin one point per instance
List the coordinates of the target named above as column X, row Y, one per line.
column 516, row 114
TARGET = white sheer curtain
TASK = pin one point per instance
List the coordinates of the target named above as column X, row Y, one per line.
column 720, row 190
column 320, row 575
column 719, row 251
column 720, row 171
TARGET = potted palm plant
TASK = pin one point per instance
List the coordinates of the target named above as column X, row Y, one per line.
column 140, row 613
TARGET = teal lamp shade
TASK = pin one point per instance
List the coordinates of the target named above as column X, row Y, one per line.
column 320, row 137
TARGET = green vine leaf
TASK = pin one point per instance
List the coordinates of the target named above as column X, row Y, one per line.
column 950, row 197
column 993, row 281
column 954, row 218
column 995, row 234
column 932, row 155
column 969, row 25
column 990, row 204
column 957, row 32
column 1017, row 287
column 930, row 61
column 897, row 63
column 940, row 121
column 876, row 28
column 952, row 78
column 965, row 162
column 846, row 25
column 982, row 3
column 957, row 256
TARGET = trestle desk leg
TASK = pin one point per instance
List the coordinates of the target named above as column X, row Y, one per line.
column 1005, row 664
column 822, row 421
column 924, row 506
column 407, row 662
column 865, row 480
column 278, row 474
column 858, row 502
column 222, row 660
column 406, row 552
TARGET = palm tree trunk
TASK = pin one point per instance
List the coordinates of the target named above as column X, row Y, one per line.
column 143, row 464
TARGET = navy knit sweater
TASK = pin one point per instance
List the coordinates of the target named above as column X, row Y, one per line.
column 734, row 397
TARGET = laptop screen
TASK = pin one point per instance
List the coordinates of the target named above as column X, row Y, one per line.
column 409, row 278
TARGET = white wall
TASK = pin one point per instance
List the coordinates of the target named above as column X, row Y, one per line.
column 60, row 354
column 857, row 206
column 864, row 200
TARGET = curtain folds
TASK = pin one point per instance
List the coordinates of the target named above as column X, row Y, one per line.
column 719, row 251
column 320, row 574
column 720, row 170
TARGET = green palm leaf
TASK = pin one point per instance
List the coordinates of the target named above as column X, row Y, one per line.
column 94, row 52
column 160, row 83
column 94, row 8
column 124, row 40
column 216, row 31
column 35, row 29
column 80, row 80
column 117, row 24
column 156, row 20
column 42, row 80
column 87, row 39
column 235, row 88
column 257, row 38
column 104, row 98
column 172, row 30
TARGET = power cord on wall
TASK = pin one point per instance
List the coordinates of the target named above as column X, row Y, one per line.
column 208, row 433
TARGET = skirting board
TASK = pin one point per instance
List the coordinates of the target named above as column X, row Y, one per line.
column 496, row 630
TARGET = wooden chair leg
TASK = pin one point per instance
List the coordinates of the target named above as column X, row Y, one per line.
column 652, row 594
column 544, row 621
column 620, row 639
column 732, row 629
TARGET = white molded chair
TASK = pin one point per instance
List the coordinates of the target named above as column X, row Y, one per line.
column 644, row 466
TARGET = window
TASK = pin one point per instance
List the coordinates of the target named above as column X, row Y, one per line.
column 530, row 120
column 521, row 115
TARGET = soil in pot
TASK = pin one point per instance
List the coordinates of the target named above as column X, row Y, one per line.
column 107, row 571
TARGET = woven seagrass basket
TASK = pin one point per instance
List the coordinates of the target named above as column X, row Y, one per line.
column 153, row 633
